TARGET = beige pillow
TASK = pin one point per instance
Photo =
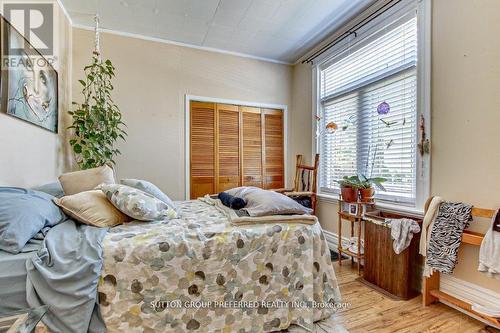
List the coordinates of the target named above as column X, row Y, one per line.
column 92, row 208
column 86, row 180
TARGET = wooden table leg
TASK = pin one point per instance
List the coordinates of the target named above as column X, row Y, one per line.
column 352, row 235
column 339, row 245
column 359, row 247
column 430, row 283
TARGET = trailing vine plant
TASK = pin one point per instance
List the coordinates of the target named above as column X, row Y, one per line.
column 97, row 121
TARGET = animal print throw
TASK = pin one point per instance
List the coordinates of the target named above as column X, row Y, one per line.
column 446, row 235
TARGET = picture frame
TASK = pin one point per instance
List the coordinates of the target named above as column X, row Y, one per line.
column 28, row 81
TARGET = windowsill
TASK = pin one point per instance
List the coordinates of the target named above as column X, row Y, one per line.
column 391, row 207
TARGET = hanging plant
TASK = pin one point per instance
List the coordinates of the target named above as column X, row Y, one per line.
column 97, row 121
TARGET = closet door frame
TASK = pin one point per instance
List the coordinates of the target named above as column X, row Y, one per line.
column 187, row 122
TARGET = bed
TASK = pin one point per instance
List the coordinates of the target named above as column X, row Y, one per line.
column 13, row 277
column 200, row 273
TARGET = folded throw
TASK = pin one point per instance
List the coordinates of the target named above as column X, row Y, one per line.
column 429, row 218
column 231, row 201
column 446, row 236
column 244, row 219
column 402, row 231
column 489, row 253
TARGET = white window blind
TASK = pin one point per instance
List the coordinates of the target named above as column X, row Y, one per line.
column 379, row 70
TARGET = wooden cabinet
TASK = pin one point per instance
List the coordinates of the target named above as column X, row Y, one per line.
column 396, row 275
column 233, row 146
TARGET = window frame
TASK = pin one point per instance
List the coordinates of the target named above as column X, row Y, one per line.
column 423, row 163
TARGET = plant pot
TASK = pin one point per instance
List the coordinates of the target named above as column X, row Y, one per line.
column 349, row 194
column 366, row 194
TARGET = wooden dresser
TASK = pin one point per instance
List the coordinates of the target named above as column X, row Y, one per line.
column 395, row 275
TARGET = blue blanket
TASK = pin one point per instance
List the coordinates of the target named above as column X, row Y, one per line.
column 64, row 275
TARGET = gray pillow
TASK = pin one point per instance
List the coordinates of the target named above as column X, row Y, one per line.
column 137, row 204
column 265, row 203
column 150, row 188
column 54, row 189
column 23, row 213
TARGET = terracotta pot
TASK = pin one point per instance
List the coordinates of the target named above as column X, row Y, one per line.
column 349, row 194
column 366, row 194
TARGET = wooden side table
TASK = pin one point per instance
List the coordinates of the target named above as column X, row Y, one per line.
column 356, row 218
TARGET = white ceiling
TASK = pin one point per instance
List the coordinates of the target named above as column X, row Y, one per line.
column 280, row 30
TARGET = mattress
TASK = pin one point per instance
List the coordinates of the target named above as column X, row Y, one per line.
column 199, row 272
column 13, row 277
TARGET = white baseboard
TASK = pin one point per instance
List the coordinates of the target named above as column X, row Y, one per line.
column 469, row 292
column 458, row 288
column 332, row 240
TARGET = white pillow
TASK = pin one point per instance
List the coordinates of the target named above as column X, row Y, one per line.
column 137, row 204
column 264, row 202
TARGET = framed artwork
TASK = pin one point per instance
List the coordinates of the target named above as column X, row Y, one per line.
column 29, row 83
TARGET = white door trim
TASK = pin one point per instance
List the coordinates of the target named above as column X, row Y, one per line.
column 187, row 150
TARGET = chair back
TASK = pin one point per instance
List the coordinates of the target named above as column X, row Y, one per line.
column 305, row 175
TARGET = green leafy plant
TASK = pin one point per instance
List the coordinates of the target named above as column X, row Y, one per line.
column 97, row 121
column 365, row 182
column 348, row 182
column 360, row 181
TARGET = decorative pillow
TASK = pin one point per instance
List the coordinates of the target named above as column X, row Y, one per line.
column 264, row 202
column 150, row 188
column 54, row 189
column 92, row 208
column 23, row 213
column 137, row 204
column 86, row 180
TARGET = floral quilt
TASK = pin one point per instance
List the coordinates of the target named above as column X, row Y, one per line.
column 199, row 273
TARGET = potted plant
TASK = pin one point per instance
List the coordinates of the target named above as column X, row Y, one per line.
column 366, row 186
column 349, row 188
column 97, row 121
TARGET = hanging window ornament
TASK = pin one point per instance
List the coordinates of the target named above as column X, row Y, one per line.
column 331, row 127
column 383, row 108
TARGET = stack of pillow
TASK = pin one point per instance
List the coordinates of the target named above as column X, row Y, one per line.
column 89, row 196
column 93, row 197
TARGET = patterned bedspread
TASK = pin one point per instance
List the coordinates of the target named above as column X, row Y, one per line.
column 199, row 273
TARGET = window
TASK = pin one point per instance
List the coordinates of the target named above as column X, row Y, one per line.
column 369, row 92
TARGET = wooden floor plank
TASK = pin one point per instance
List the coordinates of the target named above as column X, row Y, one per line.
column 370, row 311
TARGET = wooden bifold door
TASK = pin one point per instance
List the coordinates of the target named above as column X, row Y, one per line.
column 233, row 145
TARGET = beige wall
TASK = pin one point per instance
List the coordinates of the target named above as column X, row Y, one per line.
column 465, row 116
column 31, row 155
column 152, row 80
column 301, row 125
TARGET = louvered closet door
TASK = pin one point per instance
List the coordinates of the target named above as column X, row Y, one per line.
column 251, row 149
column 202, row 138
column 273, row 137
column 228, row 147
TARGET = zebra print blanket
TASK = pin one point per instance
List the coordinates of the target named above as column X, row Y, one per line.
column 446, row 235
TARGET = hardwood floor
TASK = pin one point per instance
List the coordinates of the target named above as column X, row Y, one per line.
column 370, row 311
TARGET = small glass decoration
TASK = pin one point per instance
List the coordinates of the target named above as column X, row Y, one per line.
column 331, row 127
column 383, row 108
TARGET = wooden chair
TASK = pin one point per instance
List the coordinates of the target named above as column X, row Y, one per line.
column 305, row 182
